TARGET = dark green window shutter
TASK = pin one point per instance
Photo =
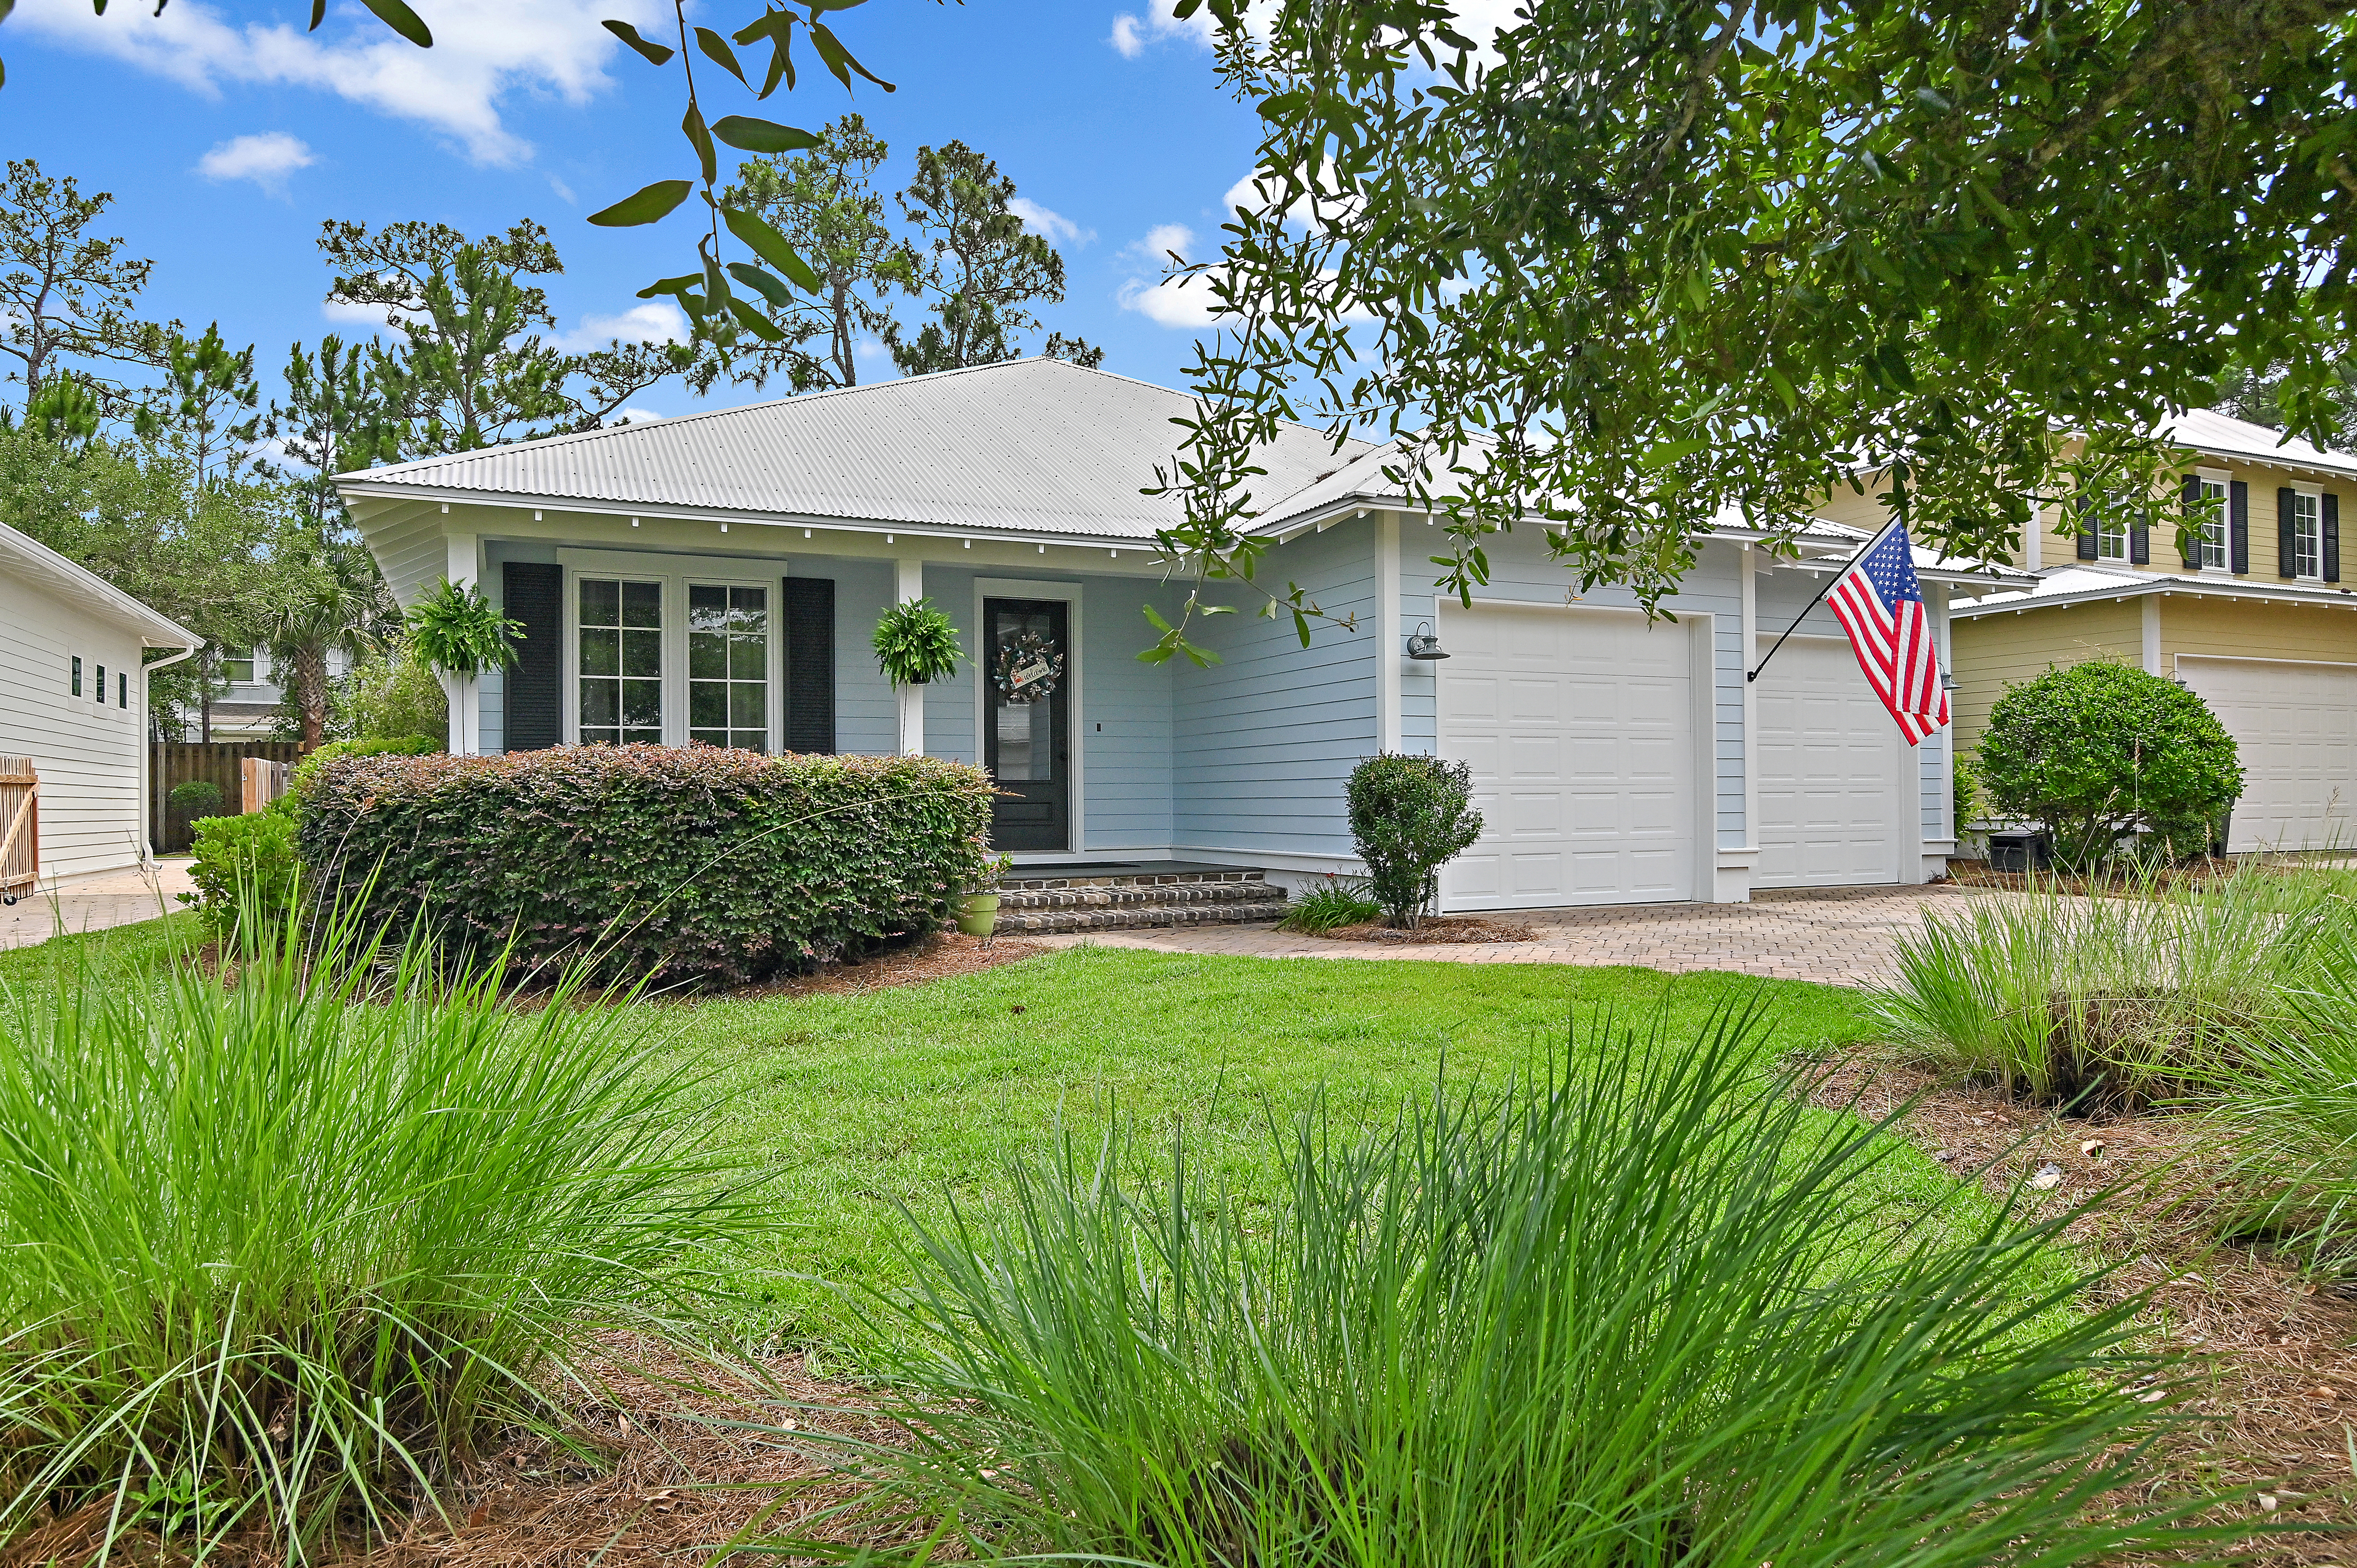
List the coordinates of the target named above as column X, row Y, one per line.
column 2140, row 542
column 809, row 606
column 2193, row 521
column 2238, row 525
column 2086, row 529
column 533, row 592
column 2287, row 541
column 2332, row 537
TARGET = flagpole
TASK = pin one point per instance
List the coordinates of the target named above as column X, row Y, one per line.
column 1753, row 674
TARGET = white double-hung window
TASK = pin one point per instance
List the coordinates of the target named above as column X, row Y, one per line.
column 2214, row 523
column 2307, row 535
column 620, row 669
column 668, row 650
column 729, row 665
column 2112, row 536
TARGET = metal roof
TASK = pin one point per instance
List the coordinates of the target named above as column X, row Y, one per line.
column 2224, row 436
column 1030, row 446
column 2085, row 585
column 86, row 591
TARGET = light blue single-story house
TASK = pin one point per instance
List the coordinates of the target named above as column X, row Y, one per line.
column 716, row 578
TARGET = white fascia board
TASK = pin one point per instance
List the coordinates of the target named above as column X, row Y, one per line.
column 509, row 501
column 2290, row 593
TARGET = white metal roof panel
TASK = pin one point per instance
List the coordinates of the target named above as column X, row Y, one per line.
column 1031, row 445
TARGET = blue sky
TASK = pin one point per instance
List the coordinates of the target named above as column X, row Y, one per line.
column 227, row 136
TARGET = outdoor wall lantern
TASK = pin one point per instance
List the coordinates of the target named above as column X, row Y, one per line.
column 1423, row 644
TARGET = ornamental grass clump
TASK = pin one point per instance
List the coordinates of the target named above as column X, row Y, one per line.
column 1652, row 1309
column 281, row 1254
column 2110, row 1003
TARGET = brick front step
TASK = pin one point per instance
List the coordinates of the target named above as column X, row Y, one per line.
column 1112, row 897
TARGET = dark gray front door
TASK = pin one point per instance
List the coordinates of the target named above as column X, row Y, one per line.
column 1027, row 735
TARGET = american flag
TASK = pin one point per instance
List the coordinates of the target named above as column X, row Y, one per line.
column 1879, row 603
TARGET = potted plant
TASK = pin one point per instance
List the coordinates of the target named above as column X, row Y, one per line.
column 977, row 911
column 459, row 633
column 916, row 644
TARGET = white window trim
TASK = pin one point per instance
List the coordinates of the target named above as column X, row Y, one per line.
column 2225, row 482
column 2126, row 539
column 1075, row 677
column 2315, row 494
column 675, row 572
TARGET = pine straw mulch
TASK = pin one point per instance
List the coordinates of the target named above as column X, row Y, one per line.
column 1436, row 930
column 2275, row 1355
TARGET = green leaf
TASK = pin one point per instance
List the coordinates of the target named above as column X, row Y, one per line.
column 1668, row 451
column 401, row 20
column 717, row 47
column 318, row 15
column 692, row 127
column 651, row 205
column 743, row 131
column 657, row 54
column 770, row 246
column 839, row 60
column 762, row 284
column 678, row 286
column 759, row 325
column 778, row 26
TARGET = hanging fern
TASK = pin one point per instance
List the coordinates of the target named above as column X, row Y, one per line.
column 915, row 644
column 456, row 630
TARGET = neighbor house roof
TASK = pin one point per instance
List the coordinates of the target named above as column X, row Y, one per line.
column 25, row 557
column 2223, row 435
column 2088, row 584
column 1032, row 446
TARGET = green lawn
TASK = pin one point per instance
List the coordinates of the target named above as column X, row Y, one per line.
column 857, row 1105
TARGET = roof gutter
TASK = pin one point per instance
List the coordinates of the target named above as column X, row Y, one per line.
column 2288, row 593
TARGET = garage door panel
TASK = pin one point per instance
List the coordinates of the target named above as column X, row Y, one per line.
column 2295, row 726
column 1836, row 783
column 1577, row 725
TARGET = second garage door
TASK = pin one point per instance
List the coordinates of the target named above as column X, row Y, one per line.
column 1579, row 729
column 1834, row 774
column 2295, row 727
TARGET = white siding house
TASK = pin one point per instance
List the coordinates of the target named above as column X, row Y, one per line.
column 73, row 697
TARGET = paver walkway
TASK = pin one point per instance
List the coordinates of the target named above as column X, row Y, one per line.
column 95, row 902
column 1841, row 936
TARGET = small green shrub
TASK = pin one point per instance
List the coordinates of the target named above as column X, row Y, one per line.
column 916, row 644
column 194, row 798
column 1332, row 903
column 1648, row 1312
column 364, row 746
column 1410, row 815
column 690, row 864
column 389, row 693
column 284, row 1254
column 1968, row 800
column 2099, row 750
column 244, row 871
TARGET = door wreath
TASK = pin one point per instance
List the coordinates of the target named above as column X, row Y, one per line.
column 1028, row 670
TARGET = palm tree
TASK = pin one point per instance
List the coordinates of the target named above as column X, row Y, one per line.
column 331, row 597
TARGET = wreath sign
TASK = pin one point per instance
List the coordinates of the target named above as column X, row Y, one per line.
column 1028, row 670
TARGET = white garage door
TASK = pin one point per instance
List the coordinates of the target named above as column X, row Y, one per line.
column 1835, row 778
column 1579, row 729
column 2296, row 727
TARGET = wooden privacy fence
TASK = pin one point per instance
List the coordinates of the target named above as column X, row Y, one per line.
column 20, row 826
column 219, row 763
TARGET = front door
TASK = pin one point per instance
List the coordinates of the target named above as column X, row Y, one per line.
column 1026, row 730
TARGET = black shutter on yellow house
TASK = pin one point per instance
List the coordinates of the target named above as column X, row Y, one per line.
column 2193, row 519
column 2287, row 535
column 533, row 592
column 2238, row 525
column 809, row 603
column 2332, row 537
column 2141, row 541
column 2086, row 528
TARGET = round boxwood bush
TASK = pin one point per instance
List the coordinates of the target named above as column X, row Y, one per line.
column 1410, row 815
column 2096, row 751
column 195, row 798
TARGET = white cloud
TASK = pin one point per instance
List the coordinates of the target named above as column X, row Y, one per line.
column 1160, row 243
column 563, row 191
column 370, row 315
column 1177, row 302
column 1053, row 225
column 481, row 55
column 657, row 321
column 1132, row 34
column 631, row 414
column 267, row 159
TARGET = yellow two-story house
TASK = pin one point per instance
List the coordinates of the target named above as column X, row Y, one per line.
column 2251, row 613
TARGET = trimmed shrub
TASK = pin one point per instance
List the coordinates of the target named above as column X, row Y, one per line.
column 366, row 745
column 244, row 870
column 2099, row 750
column 195, row 798
column 389, row 694
column 685, row 864
column 1410, row 816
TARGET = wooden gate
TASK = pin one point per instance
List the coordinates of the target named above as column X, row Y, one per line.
column 20, row 827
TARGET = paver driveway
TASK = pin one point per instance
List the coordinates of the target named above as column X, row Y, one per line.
column 1842, row 936
column 96, row 902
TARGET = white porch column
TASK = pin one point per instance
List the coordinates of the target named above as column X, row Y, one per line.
column 465, row 691
column 1750, row 569
column 909, row 583
column 2152, row 634
column 1389, row 650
